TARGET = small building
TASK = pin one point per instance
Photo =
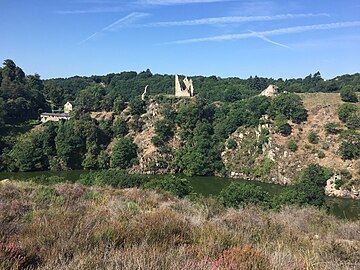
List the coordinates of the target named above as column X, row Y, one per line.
column 54, row 117
column 68, row 107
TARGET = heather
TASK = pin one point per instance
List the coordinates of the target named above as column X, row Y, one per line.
column 72, row 226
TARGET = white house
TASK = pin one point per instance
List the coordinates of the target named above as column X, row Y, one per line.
column 68, row 106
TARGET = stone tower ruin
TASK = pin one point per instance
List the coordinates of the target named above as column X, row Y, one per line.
column 184, row 88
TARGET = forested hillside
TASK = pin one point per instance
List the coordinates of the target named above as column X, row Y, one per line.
column 226, row 129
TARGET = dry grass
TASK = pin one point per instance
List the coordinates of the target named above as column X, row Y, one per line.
column 75, row 227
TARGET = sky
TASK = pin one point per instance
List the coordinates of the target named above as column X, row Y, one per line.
column 226, row 38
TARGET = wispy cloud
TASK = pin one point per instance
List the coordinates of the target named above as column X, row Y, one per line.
column 269, row 40
column 275, row 32
column 177, row 2
column 111, row 9
column 121, row 23
column 233, row 19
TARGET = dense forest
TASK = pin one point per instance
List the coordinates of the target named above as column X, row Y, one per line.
column 220, row 107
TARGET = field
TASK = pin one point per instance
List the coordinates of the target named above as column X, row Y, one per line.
column 69, row 226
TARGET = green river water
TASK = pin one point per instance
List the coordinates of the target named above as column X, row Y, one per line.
column 210, row 185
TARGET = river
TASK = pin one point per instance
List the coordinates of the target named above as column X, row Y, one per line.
column 210, row 185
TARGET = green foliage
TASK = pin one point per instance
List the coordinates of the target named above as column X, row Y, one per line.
column 353, row 120
column 290, row 105
column 91, row 98
column 231, row 144
column 200, row 156
column 264, row 170
column 350, row 145
column 332, row 128
column 137, row 106
column 118, row 105
column 348, row 94
column 345, row 174
column 281, row 125
column 120, row 127
column 339, row 183
column 114, row 178
column 164, row 129
column 313, row 138
column 263, row 139
column 124, row 154
column 136, row 124
column 292, row 146
column 345, row 110
column 308, row 191
column 241, row 194
column 157, row 141
column 320, row 154
column 179, row 186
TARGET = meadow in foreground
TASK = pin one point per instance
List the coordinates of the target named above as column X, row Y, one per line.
column 71, row 226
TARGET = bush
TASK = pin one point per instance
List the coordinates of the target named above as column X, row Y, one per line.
column 313, row 138
column 332, row 128
column 137, row 106
column 348, row 94
column 290, row 105
column 240, row 194
column 179, row 186
column 281, row 125
column 346, row 110
column 231, row 144
column 164, row 129
column 246, row 257
column 120, row 127
column 350, row 146
column 157, row 141
column 338, row 183
column 353, row 121
column 345, row 174
column 320, row 154
column 292, row 146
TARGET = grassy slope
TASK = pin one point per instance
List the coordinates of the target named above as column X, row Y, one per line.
column 70, row 226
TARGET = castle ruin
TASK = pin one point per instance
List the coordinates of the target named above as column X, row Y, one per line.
column 184, row 88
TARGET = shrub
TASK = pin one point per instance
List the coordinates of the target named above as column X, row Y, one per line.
column 350, row 146
column 281, row 125
column 320, row 154
column 353, row 121
column 313, row 138
column 345, row 174
column 157, row 141
column 137, row 106
column 179, row 186
column 325, row 146
column 246, row 257
column 332, row 128
column 231, row 144
column 240, row 194
column 292, row 146
column 120, row 127
column 346, row 110
column 164, row 129
column 338, row 183
column 347, row 94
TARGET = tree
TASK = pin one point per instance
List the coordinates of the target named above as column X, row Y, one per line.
column 240, row 194
column 164, row 129
column 348, row 94
column 119, row 105
column 281, row 125
column 120, row 127
column 179, row 186
column 137, row 106
column 124, row 154
column 290, row 105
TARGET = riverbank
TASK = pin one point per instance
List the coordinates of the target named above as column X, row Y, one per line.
column 211, row 186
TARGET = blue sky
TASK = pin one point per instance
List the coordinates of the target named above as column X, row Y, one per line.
column 279, row 39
